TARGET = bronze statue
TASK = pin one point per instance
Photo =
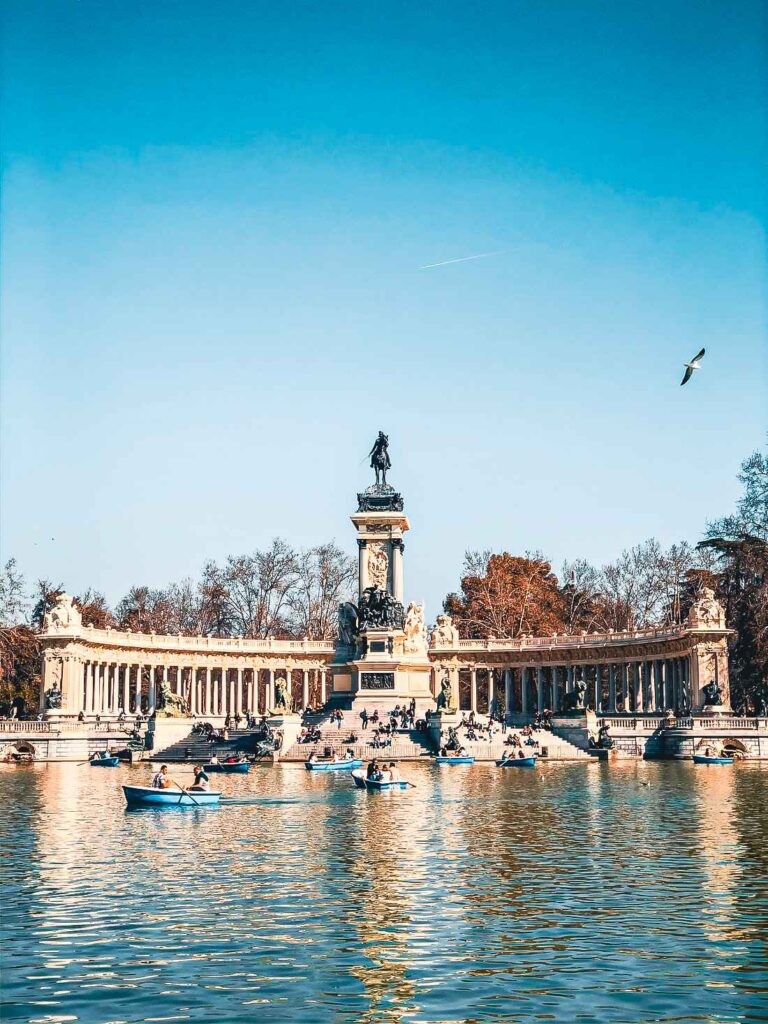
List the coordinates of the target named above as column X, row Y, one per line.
column 53, row 699
column 347, row 623
column 713, row 695
column 379, row 456
column 171, row 704
column 576, row 700
column 281, row 694
column 444, row 697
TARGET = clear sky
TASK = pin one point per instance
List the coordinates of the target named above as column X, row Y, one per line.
column 212, row 223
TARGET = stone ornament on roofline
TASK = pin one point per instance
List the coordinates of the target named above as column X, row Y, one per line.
column 64, row 615
column 706, row 610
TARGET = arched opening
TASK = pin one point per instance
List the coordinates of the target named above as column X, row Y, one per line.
column 21, row 752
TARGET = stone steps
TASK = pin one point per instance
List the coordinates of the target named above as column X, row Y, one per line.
column 195, row 748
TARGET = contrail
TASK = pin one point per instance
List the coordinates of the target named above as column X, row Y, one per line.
column 463, row 259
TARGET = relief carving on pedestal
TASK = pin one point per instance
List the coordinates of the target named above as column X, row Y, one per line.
column 378, row 564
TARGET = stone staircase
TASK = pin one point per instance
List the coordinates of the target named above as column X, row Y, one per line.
column 197, row 749
column 402, row 745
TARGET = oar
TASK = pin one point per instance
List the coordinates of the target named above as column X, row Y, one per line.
column 183, row 791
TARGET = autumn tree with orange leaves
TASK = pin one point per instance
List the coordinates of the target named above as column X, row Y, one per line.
column 505, row 596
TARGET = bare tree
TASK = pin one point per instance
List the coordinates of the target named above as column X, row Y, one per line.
column 258, row 590
column 325, row 578
column 13, row 598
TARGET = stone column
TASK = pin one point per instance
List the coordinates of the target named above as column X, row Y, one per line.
column 239, row 690
column 555, row 701
column 638, row 687
column 323, row 687
column 508, row 691
column 289, row 687
column 88, row 687
column 569, row 679
column 151, row 690
column 473, row 690
column 137, row 691
column 598, row 688
column 491, row 689
column 271, row 690
column 539, row 688
column 165, row 675
column 215, row 691
column 611, row 689
column 115, row 688
column 397, row 569
column 362, row 571
column 305, row 688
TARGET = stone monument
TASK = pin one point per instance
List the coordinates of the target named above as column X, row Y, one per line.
column 381, row 654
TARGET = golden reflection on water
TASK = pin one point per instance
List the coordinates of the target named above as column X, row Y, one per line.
column 582, row 890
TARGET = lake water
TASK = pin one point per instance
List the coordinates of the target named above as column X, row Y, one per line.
column 575, row 892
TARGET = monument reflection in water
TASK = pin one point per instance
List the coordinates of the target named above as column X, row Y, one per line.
column 626, row 893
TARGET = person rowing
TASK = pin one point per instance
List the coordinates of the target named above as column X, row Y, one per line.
column 202, row 782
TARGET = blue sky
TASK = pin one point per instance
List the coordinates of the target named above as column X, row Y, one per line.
column 212, row 223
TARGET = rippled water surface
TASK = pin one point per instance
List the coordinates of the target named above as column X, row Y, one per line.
column 576, row 892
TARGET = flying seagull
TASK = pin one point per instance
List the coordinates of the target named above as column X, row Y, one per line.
column 695, row 364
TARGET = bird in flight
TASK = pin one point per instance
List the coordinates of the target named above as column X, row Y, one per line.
column 695, row 364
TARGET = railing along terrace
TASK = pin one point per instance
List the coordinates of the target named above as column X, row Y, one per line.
column 574, row 639
column 18, row 725
column 179, row 641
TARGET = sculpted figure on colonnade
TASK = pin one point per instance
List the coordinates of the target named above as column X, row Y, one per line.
column 445, row 633
column 171, row 704
column 63, row 615
column 577, row 699
column 415, row 629
column 713, row 695
column 444, row 697
column 706, row 610
column 281, row 694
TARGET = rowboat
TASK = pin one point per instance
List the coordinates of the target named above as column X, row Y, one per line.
column 517, row 762
column 334, row 766
column 234, row 767
column 104, row 762
column 469, row 759
column 376, row 784
column 703, row 759
column 148, row 796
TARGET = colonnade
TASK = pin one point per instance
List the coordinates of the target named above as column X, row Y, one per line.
column 107, row 688
column 639, row 686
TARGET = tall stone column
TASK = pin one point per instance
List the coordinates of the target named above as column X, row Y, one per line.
column 569, row 679
column 151, row 695
column 362, row 570
column 323, row 687
column 598, row 688
column 491, row 690
column 239, row 691
column 638, row 687
column 555, row 700
column 137, row 691
column 304, row 688
column 473, row 689
column 539, row 688
column 611, row 689
column 271, row 690
column 397, row 569
column 509, row 692
column 88, row 687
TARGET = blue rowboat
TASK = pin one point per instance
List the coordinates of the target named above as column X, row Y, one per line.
column 334, row 766
column 234, row 767
column 376, row 785
column 455, row 760
column 104, row 762
column 150, row 797
column 703, row 759
column 517, row 762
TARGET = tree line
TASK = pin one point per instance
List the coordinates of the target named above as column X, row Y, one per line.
column 284, row 593
column 504, row 595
